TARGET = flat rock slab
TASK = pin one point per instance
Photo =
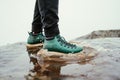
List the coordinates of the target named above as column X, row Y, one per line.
column 48, row 64
column 87, row 54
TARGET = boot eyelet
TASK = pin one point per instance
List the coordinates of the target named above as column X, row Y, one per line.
column 64, row 45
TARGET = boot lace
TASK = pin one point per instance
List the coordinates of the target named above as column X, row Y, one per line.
column 64, row 42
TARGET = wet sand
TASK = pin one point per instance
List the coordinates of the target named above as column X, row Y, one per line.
column 15, row 63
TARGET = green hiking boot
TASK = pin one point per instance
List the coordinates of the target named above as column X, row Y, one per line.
column 34, row 39
column 60, row 45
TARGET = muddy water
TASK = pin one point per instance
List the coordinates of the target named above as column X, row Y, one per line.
column 15, row 64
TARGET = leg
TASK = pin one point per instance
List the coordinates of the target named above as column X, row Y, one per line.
column 49, row 18
column 49, row 13
column 36, row 24
column 36, row 35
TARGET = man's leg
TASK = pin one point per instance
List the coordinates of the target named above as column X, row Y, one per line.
column 36, row 35
column 49, row 13
column 36, row 24
column 49, row 17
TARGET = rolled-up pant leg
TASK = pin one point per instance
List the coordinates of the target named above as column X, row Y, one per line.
column 49, row 16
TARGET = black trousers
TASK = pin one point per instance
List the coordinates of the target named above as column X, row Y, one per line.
column 46, row 17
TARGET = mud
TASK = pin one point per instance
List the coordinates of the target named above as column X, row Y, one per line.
column 15, row 63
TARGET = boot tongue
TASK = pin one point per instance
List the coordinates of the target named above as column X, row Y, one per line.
column 65, row 42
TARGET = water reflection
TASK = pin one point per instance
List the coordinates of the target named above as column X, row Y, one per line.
column 48, row 70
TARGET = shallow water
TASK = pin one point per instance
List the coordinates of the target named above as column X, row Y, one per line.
column 15, row 64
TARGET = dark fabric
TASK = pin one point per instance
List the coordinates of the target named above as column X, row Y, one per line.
column 46, row 16
column 36, row 24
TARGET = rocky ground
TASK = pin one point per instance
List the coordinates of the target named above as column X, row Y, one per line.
column 15, row 65
column 101, row 34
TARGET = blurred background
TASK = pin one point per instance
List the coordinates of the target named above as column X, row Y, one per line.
column 77, row 18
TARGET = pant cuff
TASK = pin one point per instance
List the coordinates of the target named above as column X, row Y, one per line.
column 52, row 32
column 37, row 28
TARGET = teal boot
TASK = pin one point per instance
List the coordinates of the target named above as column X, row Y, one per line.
column 34, row 39
column 59, row 44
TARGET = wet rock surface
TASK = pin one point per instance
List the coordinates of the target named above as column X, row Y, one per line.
column 101, row 34
column 15, row 63
column 105, row 66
